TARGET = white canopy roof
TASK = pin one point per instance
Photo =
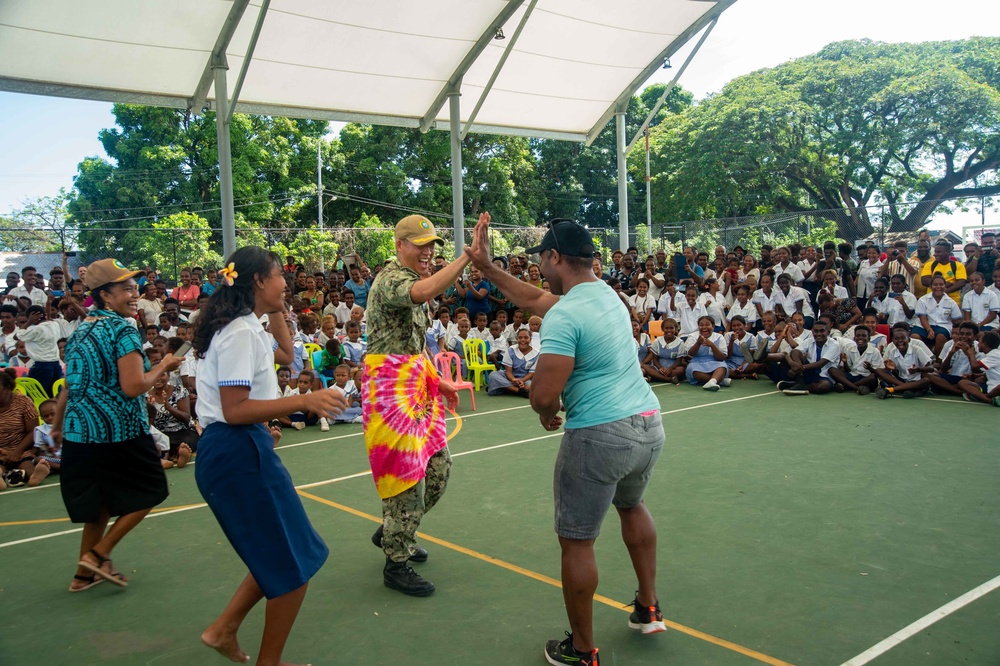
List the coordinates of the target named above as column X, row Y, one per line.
column 377, row 61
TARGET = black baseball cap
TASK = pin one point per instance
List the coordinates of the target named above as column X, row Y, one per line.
column 567, row 237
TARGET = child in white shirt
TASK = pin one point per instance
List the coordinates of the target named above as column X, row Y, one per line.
column 906, row 367
column 859, row 359
column 496, row 343
column 988, row 390
column 664, row 361
column 342, row 381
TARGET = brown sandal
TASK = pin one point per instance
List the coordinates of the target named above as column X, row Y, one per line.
column 110, row 576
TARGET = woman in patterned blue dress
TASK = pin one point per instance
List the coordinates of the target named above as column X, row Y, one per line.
column 110, row 465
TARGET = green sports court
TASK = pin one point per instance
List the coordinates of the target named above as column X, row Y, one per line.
column 792, row 530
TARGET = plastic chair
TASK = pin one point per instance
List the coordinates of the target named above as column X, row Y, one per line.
column 476, row 361
column 449, row 366
column 311, row 349
column 316, row 357
column 31, row 388
column 655, row 329
column 58, row 385
column 20, row 370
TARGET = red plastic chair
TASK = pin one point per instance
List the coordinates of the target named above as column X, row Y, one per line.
column 21, row 370
column 449, row 366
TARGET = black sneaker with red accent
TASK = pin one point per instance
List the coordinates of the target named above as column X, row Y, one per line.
column 647, row 619
column 560, row 653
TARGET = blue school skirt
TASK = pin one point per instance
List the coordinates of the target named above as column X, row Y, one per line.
column 252, row 496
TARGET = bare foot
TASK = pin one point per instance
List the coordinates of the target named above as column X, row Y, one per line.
column 226, row 645
column 183, row 455
column 42, row 470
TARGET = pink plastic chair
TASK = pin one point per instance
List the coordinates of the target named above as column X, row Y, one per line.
column 449, row 366
column 21, row 370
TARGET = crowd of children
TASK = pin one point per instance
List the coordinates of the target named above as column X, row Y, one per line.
column 811, row 319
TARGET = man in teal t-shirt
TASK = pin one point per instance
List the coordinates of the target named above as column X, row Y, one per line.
column 613, row 435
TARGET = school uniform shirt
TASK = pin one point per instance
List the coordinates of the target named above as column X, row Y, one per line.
column 150, row 309
column 748, row 312
column 665, row 304
column 241, row 354
column 894, row 310
column 980, row 305
column 938, row 313
column 498, row 344
column 991, row 363
column 43, row 439
column 766, row 302
column 67, row 328
column 355, row 350
column 789, row 302
column 342, row 313
column 642, row 346
column 642, row 303
column 287, row 391
column 40, row 341
column 830, row 351
column 715, row 306
column 994, row 289
column 960, row 364
column 867, row 274
column 748, row 339
column 8, row 343
column 856, row 359
column 476, row 334
column 767, row 339
column 667, row 352
column 804, row 266
column 706, row 351
column 839, row 292
column 519, row 363
column 793, row 271
column 36, row 296
column 916, row 356
column 688, row 316
column 510, row 333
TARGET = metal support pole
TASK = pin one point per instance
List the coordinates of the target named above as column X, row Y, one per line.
column 457, row 206
column 649, row 200
column 319, row 198
column 219, row 68
column 622, row 182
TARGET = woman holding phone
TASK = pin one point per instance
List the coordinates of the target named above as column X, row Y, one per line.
column 238, row 473
column 110, row 464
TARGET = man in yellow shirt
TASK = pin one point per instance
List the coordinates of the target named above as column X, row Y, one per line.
column 952, row 270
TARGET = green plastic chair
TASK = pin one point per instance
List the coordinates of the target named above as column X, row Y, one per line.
column 59, row 385
column 31, row 388
column 476, row 362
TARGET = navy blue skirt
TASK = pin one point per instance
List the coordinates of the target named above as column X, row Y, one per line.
column 251, row 494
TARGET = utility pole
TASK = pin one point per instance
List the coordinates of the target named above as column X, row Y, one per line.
column 649, row 200
column 319, row 198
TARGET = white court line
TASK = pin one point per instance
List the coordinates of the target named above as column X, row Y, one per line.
column 368, row 472
column 292, row 446
column 924, row 622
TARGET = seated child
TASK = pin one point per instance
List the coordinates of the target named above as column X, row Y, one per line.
column 988, row 388
column 496, row 343
column 458, row 342
column 48, row 454
column 518, row 368
column 437, row 332
column 342, row 381
column 958, row 358
column 743, row 308
column 535, row 326
column 810, row 362
column 906, row 366
column 170, row 412
column 353, row 347
column 516, row 325
column 328, row 330
column 300, row 420
column 858, row 361
column 742, row 348
column 664, row 361
column 707, row 350
column 331, row 357
column 481, row 331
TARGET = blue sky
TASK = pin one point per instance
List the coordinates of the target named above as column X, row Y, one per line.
column 42, row 139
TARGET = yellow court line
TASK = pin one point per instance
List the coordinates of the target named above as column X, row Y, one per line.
column 721, row 642
column 66, row 520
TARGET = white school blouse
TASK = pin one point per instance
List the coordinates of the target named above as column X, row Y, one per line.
column 240, row 354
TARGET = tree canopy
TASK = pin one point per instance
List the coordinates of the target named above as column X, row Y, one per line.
column 857, row 125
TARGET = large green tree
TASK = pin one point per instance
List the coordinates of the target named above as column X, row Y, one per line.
column 856, row 126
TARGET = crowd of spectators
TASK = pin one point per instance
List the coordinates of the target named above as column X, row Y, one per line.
column 895, row 321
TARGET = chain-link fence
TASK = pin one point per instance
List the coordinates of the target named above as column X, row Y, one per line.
column 168, row 250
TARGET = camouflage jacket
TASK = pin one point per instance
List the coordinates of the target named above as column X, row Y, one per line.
column 396, row 325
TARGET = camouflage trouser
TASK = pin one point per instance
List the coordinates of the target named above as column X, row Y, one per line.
column 401, row 514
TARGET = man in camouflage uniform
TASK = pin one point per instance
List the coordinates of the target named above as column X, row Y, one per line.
column 397, row 322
